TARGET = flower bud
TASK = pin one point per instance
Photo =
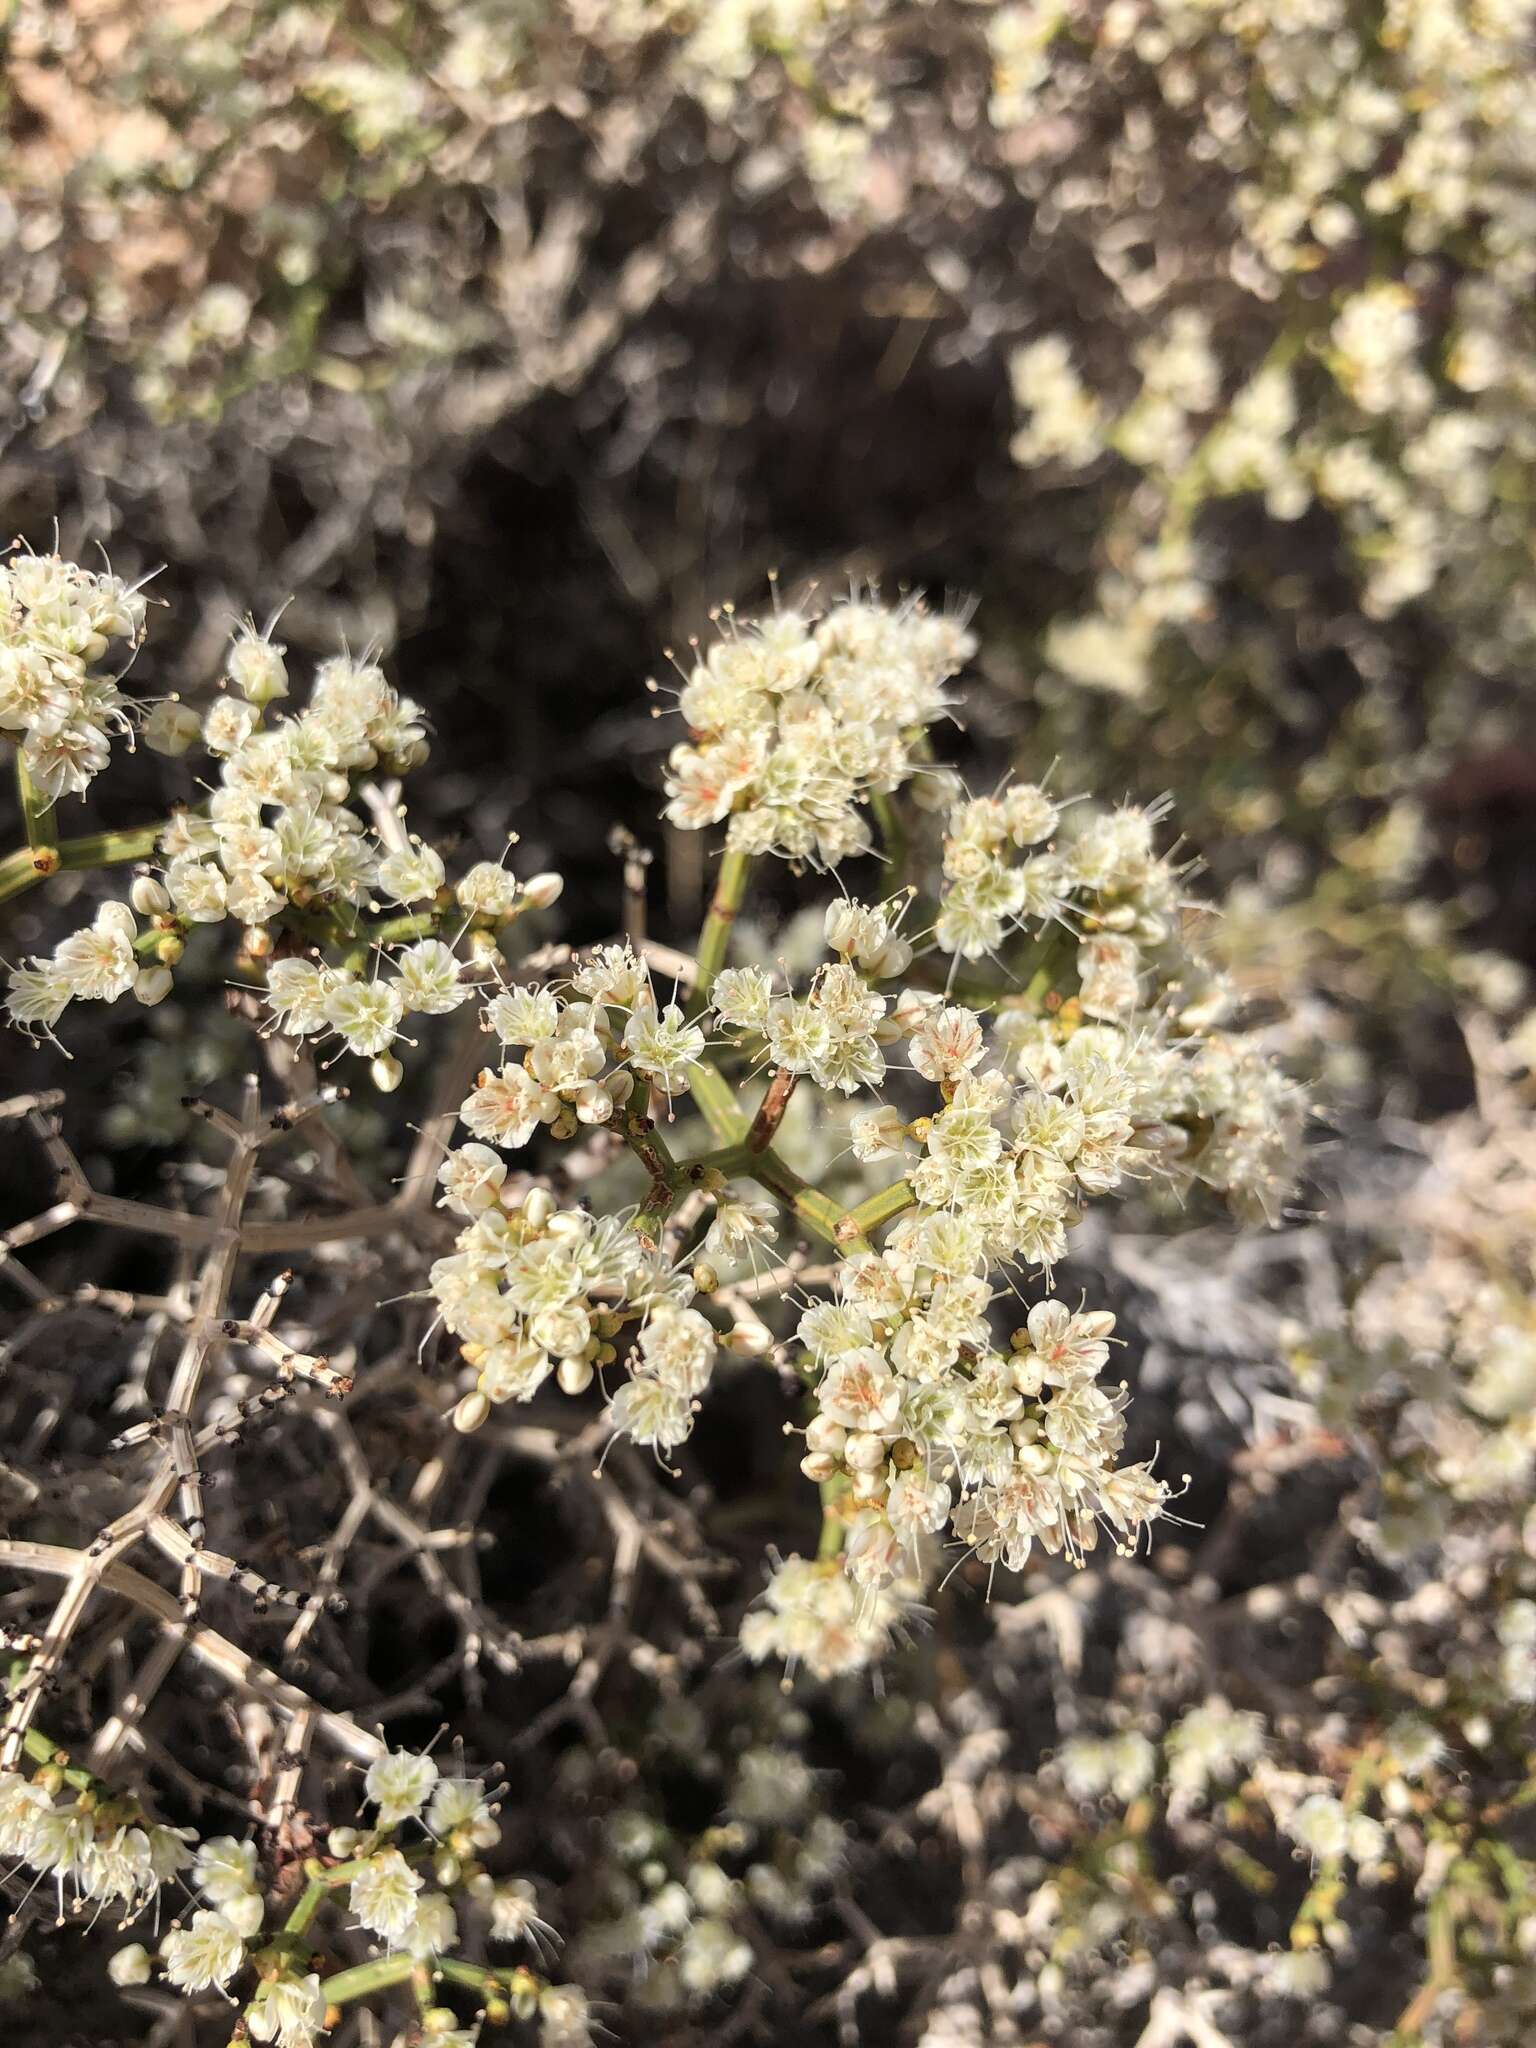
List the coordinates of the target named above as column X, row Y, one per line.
column 447, row 1868
column 864, row 1452
column 342, row 1841
column 471, row 1413
column 149, row 896
column 823, row 1434
column 170, row 949
column 538, row 1207
column 594, row 1104
column 574, row 1375
column 152, row 985
column 256, row 940
column 130, row 1965
column 386, row 1073
column 818, row 1465
column 543, row 890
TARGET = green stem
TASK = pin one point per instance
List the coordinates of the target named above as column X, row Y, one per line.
column 366, row 1978
column 37, row 1746
column 818, row 1212
column 419, row 924
column 893, row 833
column 716, row 1099
column 37, row 817
column 27, row 866
column 309, row 1903
column 833, row 1528
column 730, row 888
column 474, row 1976
column 875, row 1210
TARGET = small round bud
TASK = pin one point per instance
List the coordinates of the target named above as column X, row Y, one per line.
column 864, row 1452
column 447, row 1868
column 594, row 1104
column 705, row 1278
column 256, row 940
column 818, row 1465
column 130, row 1965
column 538, row 1207
column 170, row 949
column 574, row 1375
column 438, row 2019
column 342, row 1841
column 149, row 896
column 822, row 1434
column 543, row 890
column 386, row 1073
column 152, row 985
column 471, row 1413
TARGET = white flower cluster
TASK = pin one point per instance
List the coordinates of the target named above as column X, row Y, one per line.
column 1130, row 1074
column 928, row 1424
column 795, row 722
column 388, row 1893
column 1020, row 38
column 1211, row 1745
column 209, row 1951
column 814, row 1617
column 57, row 626
column 580, row 1061
column 280, row 851
column 837, row 1033
column 96, row 964
column 101, row 1851
column 533, row 1290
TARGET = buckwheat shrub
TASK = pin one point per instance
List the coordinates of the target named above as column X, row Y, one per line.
column 997, row 1013
column 1088, row 1055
